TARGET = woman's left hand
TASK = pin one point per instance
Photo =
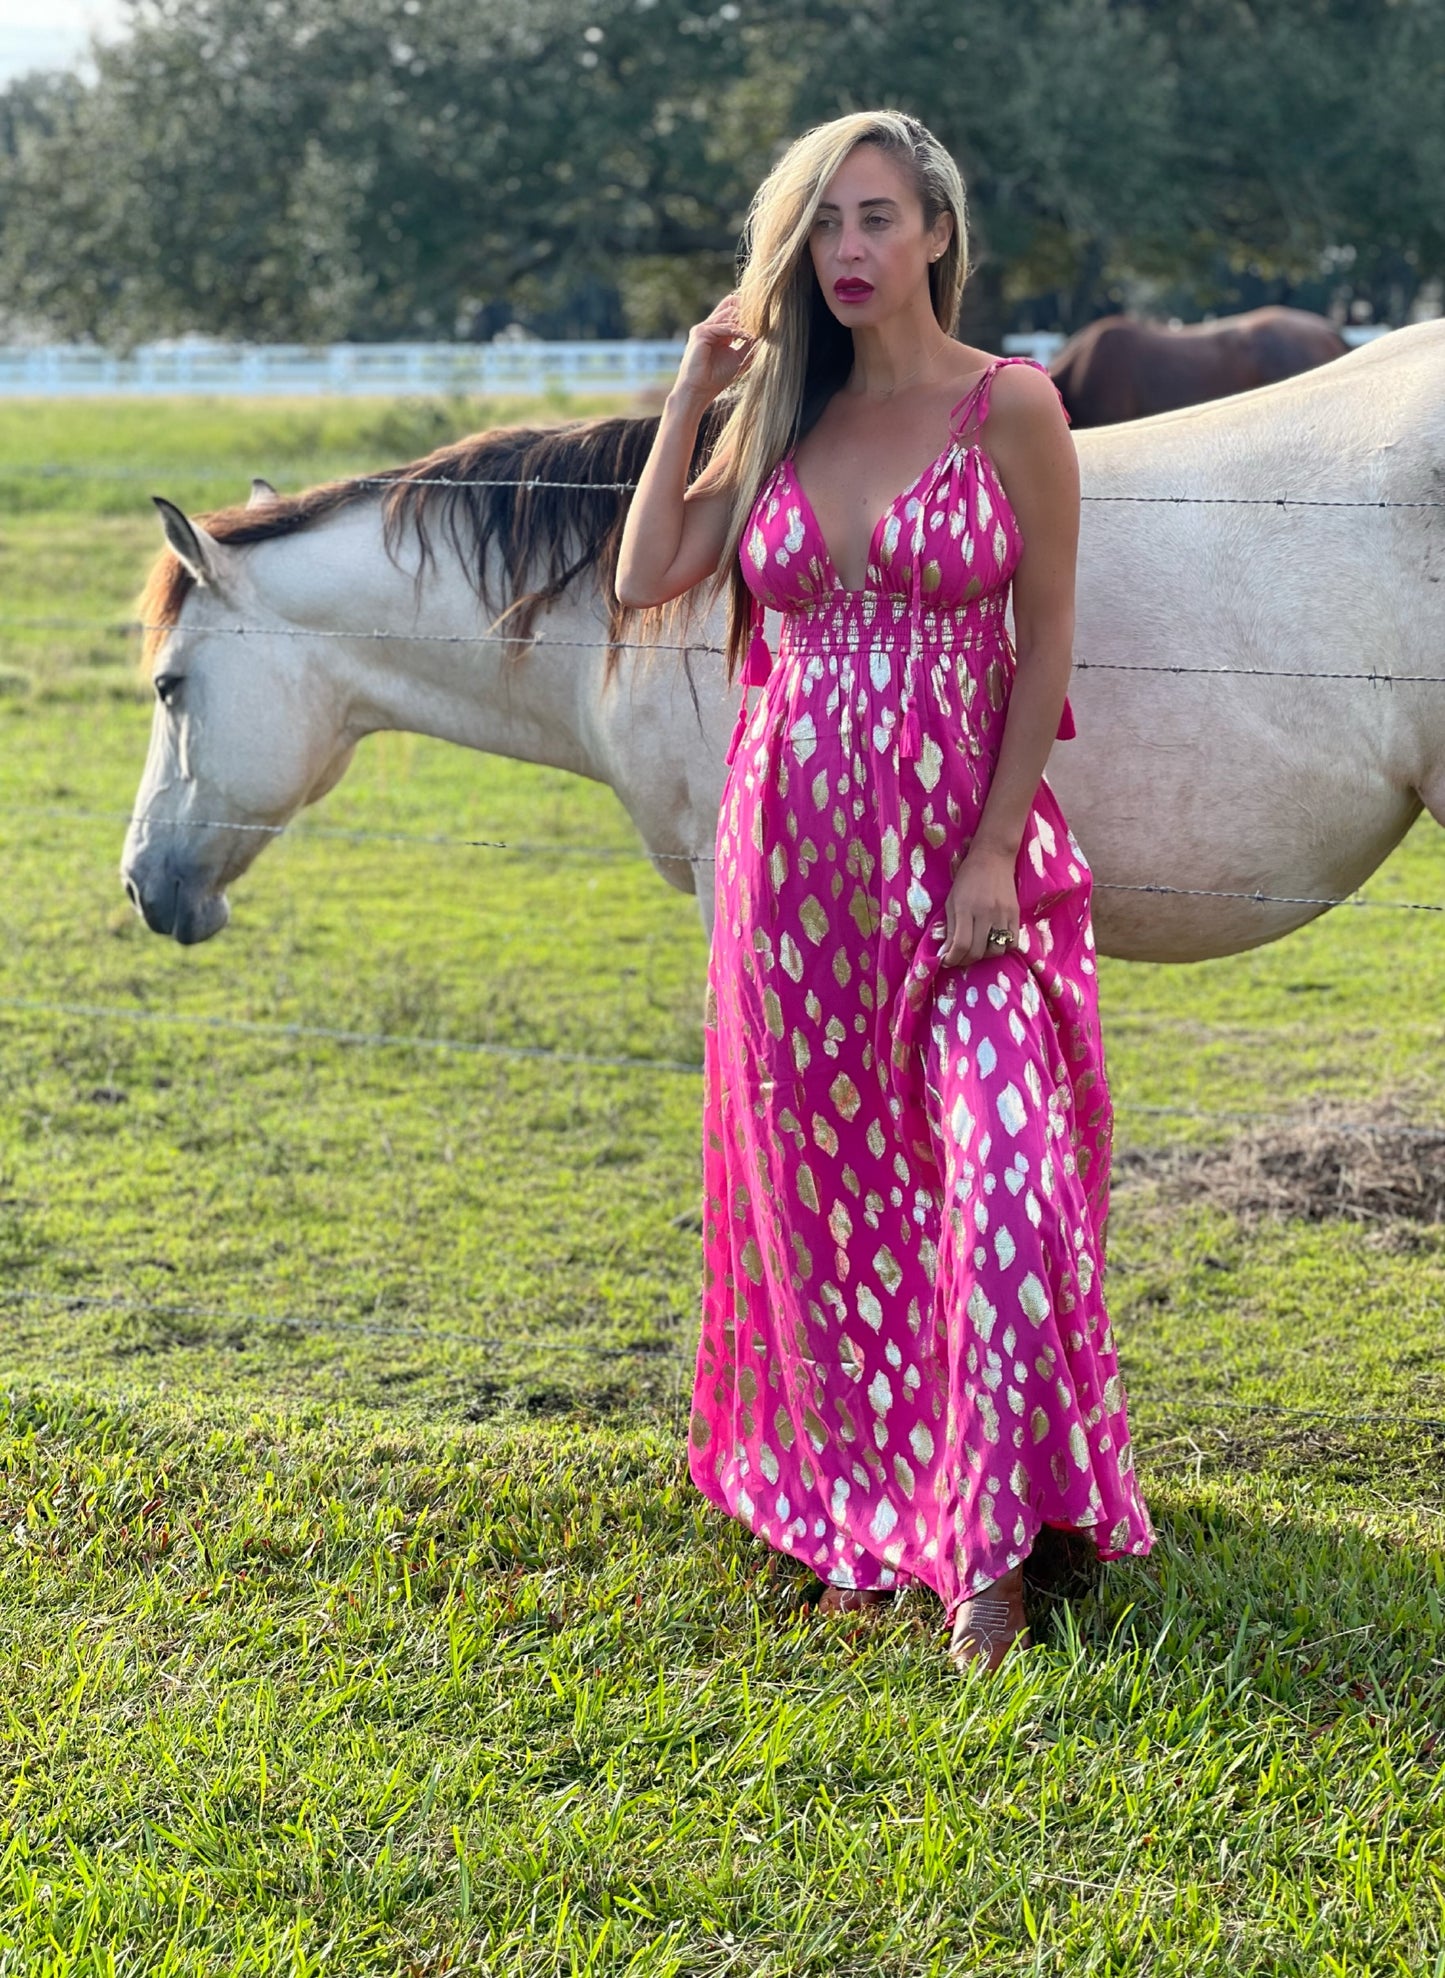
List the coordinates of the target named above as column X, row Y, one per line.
column 983, row 896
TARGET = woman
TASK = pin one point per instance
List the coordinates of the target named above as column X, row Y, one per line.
column 905, row 1368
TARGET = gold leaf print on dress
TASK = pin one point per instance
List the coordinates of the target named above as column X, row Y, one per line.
column 860, row 861
column 890, row 1274
column 1034, row 1299
column 982, row 1312
column 845, row 1095
column 804, row 737
column 865, row 911
column 988, row 1421
column 814, row 920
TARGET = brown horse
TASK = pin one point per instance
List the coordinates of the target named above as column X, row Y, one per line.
column 1121, row 368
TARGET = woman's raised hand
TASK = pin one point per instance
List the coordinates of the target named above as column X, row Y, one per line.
column 717, row 350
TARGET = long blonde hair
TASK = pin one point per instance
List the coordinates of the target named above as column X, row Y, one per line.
column 803, row 352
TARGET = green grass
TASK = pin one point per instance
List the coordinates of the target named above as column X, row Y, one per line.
column 358, row 1615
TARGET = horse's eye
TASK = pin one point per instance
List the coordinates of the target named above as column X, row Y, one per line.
column 167, row 686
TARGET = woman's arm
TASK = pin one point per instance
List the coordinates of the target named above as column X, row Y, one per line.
column 673, row 535
column 1033, row 450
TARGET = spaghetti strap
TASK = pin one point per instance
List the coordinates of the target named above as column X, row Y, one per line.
column 977, row 395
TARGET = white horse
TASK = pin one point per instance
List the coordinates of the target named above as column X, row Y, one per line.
column 361, row 608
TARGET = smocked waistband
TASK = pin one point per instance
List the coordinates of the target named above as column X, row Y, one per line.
column 896, row 604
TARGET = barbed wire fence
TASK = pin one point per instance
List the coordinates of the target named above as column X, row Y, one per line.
column 531, row 1347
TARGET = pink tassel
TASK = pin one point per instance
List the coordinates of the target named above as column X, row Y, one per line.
column 739, row 726
column 759, row 662
column 909, row 735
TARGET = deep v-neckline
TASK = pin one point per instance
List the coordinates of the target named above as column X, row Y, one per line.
column 954, row 446
column 870, row 561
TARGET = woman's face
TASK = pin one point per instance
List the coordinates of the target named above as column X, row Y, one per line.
column 870, row 251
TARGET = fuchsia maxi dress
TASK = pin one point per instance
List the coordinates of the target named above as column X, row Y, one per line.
column 905, row 1365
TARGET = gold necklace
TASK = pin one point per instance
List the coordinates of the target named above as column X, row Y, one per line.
column 880, row 398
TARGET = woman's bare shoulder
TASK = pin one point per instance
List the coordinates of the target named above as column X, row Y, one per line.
column 1026, row 396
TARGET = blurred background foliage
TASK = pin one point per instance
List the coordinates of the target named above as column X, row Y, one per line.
column 374, row 169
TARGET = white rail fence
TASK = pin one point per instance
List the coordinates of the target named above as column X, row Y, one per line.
column 359, row 369
column 338, row 369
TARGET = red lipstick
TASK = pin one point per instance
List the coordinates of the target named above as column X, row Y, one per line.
column 851, row 289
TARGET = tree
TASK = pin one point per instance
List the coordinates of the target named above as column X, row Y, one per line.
column 1059, row 112
column 315, row 168
column 380, row 168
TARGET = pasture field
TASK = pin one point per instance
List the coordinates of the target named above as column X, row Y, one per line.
column 357, row 1613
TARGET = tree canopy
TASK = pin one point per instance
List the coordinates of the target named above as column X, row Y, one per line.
column 321, row 169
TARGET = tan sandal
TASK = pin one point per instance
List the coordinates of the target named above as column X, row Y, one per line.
column 986, row 1627
column 848, row 1600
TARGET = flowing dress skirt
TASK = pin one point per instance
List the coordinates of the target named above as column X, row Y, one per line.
column 905, row 1364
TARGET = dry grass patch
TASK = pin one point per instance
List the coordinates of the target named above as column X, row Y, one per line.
column 1362, row 1161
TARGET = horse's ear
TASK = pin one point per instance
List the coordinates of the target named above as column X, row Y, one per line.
column 261, row 493
column 200, row 553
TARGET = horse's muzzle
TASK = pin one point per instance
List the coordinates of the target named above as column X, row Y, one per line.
column 169, row 907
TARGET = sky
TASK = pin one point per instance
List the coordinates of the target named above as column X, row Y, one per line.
column 50, row 34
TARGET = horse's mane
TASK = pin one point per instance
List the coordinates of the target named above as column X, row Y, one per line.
column 547, row 536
